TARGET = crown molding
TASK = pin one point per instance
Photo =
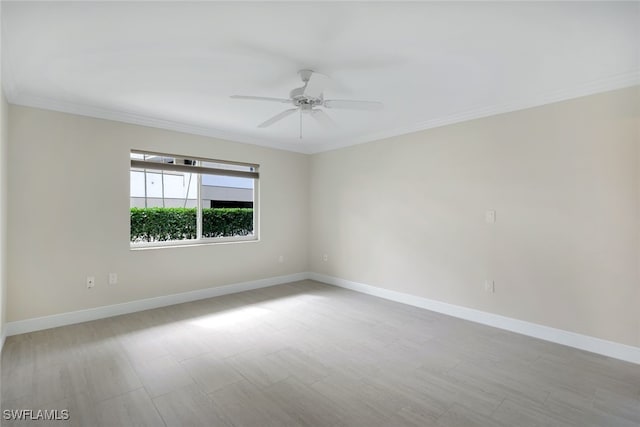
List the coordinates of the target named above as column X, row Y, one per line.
column 16, row 98
column 620, row 81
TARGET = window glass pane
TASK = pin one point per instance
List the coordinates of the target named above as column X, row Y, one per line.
column 137, row 184
column 227, row 206
column 154, row 184
column 163, row 206
column 227, row 181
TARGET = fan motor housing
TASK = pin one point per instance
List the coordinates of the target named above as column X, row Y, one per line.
column 300, row 99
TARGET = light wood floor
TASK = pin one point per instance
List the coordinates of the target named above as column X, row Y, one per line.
column 311, row 355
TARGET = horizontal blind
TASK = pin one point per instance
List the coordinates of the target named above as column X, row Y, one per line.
column 252, row 171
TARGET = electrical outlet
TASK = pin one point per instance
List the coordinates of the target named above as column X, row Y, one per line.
column 325, row 257
column 91, row 282
column 113, row 278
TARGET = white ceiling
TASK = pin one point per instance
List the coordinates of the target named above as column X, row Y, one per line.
column 175, row 64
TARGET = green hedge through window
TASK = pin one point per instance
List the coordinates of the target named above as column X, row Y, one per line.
column 165, row 224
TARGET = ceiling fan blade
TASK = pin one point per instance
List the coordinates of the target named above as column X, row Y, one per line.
column 347, row 104
column 262, row 98
column 322, row 118
column 315, row 85
column 277, row 117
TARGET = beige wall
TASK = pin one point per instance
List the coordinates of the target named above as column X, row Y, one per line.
column 69, row 216
column 407, row 214
column 4, row 144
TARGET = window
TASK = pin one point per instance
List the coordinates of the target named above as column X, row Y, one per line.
column 185, row 200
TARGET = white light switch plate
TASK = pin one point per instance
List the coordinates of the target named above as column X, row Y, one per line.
column 490, row 217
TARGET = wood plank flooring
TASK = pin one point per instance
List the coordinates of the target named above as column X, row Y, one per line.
column 308, row 354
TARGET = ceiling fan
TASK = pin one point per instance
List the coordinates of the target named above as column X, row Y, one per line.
column 309, row 98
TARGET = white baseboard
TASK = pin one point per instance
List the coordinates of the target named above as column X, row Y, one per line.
column 47, row 322
column 583, row 342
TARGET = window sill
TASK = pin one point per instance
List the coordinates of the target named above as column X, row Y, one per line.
column 191, row 243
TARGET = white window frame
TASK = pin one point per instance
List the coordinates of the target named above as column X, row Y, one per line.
column 199, row 240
